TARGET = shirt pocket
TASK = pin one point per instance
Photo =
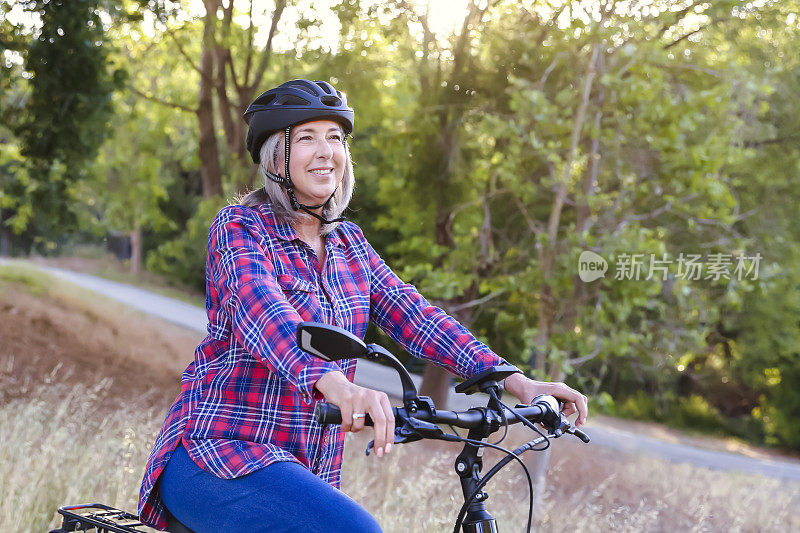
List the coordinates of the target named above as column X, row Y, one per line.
column 289, row 283
column 301, row 295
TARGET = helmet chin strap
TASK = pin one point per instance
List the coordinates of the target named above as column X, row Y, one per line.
column 286, row 183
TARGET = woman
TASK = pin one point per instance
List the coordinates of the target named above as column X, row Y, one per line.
column 240, row 449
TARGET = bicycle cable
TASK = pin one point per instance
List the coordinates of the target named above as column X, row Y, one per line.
column 530, row 445
column 503, row 415
column 509, row 455
column 522, row 419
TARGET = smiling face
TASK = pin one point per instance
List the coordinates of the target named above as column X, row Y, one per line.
column 317, row 160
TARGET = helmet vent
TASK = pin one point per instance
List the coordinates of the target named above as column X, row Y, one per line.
column 332, row 101
column 291, row 99
column 264, row 99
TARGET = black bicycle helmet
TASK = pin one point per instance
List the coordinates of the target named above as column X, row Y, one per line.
column 286, row 106
column 292, row 103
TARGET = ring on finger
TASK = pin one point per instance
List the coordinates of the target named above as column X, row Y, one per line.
column 356, row 416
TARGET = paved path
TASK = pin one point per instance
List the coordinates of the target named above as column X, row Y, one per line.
column 384, row 378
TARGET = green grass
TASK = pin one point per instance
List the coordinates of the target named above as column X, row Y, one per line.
column 110, row 268
column 28, row 279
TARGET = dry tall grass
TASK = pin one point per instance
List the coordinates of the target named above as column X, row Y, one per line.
column 57, row 450
column 588, row 489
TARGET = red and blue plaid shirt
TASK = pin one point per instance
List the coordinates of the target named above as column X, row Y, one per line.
column 247, row 399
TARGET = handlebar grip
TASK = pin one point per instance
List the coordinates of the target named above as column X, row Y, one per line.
column 327, row 413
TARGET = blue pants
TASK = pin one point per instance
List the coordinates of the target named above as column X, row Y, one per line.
column 281, row 497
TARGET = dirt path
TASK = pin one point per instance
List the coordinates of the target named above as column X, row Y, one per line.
column 614, row 435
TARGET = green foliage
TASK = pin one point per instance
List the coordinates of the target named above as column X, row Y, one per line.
column 184, row 257
column 695, row 412
column 604, row 403
column 692, row 412
column 15, row 189
column 70, row 101
column 640, row 406
column 485, row 165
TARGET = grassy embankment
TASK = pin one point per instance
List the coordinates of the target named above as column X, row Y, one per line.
column 75, row 432
column 96, row 262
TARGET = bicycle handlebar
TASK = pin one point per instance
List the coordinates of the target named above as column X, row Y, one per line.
column 419, row 419
column 326, row 413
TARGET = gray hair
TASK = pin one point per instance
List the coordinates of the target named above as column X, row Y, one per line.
column 272, row 160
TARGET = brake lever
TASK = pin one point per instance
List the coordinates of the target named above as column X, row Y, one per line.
column 572, row 430
column 412, row 430
column 559, row 423
column 566, row 427
column 578, row 433
column 398, row 439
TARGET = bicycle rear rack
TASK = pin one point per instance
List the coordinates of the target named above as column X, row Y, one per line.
column 100, row 519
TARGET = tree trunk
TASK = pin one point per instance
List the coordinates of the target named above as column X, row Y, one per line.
column 241, row 85
column 436, row 384
column 583, row 209
column 548, row 305
column 136, row 249
column 210, row 171
column 229, row 124
column 436, row 380
column 544, row 313
column 222, row 55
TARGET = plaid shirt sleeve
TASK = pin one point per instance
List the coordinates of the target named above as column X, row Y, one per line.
column 424, row 330
column 262, row 319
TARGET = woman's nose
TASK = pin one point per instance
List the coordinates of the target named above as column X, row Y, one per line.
column 324, row 149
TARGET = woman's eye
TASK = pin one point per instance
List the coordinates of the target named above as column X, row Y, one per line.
column 336, row 137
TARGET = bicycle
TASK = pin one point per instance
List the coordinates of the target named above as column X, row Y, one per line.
column 417, row 419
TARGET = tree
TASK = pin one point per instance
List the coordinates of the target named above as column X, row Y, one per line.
column 66, row 114
column 15, row 184
column 230, row 68
column 131, row 175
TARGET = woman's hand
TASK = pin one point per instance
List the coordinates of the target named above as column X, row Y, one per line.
column 527, row 389
column 353, row 399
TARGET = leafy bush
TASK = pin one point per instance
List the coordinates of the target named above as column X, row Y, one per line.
column 639, row 406
column 692, row 412
column 184, row 258
column 604, row 403
column 695, row 412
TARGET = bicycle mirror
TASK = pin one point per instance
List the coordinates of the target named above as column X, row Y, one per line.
column 327, row 342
